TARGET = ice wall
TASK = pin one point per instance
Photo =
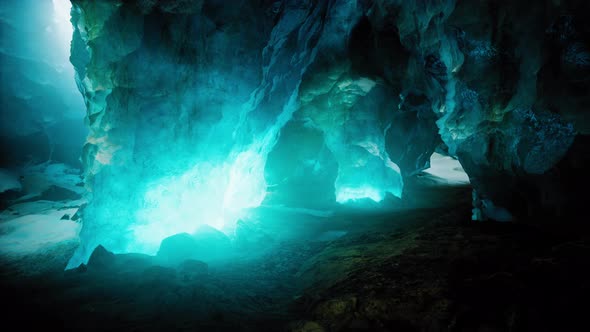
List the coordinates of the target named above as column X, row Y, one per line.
column 187, row 99
column 199, row 110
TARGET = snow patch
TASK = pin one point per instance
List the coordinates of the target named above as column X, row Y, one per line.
column 31, row 233
column 447, row 170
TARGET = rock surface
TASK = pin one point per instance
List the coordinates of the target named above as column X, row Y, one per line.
column 186, row 101
column 429, row 269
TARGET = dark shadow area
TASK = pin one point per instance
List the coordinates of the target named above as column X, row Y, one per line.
column 424, row 266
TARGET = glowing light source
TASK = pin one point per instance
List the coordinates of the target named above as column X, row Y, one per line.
column 214, row 195
column 369, row 176
column 62, row 28
column 345, row 195
column 62, row 10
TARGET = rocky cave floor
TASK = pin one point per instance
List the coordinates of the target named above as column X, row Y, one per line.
column 425, row 267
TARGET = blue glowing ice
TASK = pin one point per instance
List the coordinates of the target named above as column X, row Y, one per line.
column 189, row 154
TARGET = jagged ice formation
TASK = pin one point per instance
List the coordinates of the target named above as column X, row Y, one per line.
column 199, row 110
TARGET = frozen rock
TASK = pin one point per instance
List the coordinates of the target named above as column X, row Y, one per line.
column 251, row 236
column 207, row 244
column 101, row 258
column 177, row 248
column 233, row 106
column 194, row 107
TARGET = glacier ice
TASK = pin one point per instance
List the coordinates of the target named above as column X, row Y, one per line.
column 181, row 129
column 199, row 111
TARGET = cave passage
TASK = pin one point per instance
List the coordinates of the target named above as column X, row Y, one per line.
column 289, row 165
column 200, row 112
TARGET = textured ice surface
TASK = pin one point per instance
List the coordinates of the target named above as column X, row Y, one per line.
column 181, row 127
column 194, row 111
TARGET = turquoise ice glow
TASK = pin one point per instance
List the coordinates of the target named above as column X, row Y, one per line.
column 215, row 195
column 208, row 194
column 373, row 175
column 346, row 195
column 181, row 129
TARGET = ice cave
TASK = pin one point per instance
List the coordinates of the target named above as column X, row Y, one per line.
column 295, row 165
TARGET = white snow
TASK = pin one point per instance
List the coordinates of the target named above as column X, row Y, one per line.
column 30, row 233
column 35, row 226
column 447, row 170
